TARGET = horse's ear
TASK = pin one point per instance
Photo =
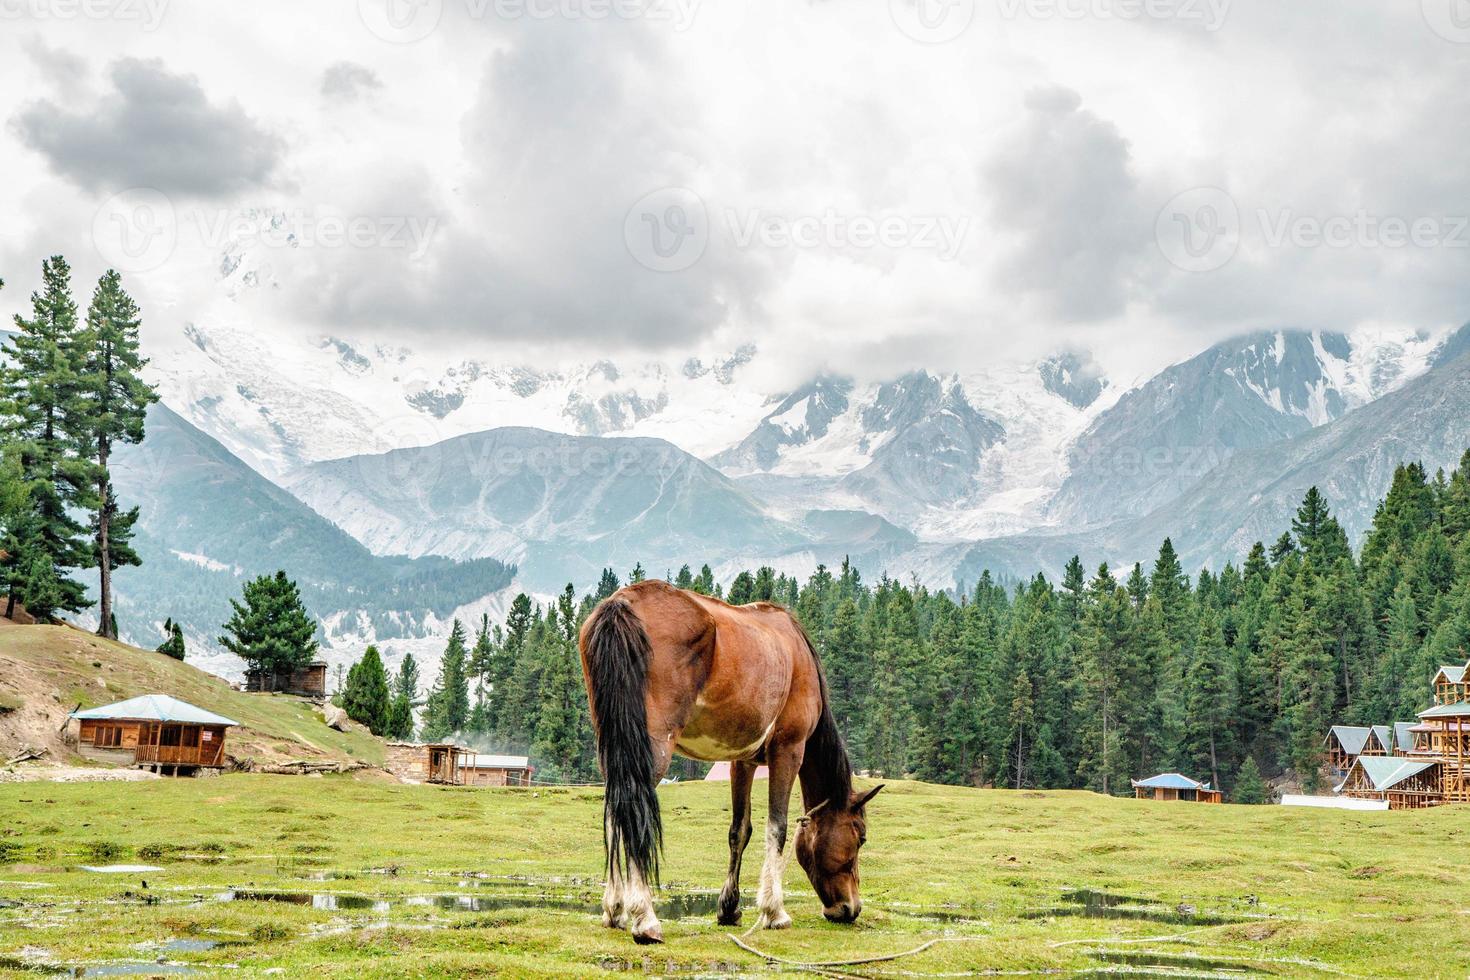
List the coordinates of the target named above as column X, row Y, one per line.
column 862, row 801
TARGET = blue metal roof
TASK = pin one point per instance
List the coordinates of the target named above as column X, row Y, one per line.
column 1170, row 780
column 153, row 707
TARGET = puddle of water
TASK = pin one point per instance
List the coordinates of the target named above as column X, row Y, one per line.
column 1088, row 904
column 1143, row 958
column 694, row 904
column 189, row 945
column 119, row 869
column 132, row 968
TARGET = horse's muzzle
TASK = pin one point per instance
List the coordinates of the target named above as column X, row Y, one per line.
column 843, row 912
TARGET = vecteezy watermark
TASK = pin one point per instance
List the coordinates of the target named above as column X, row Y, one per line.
column 1202, row 229
column 139, row 229
column 147, row 14
column 136, row 230
column 304, row 228
column 932, row 21
column 1199, row 230
column 669, row 230
column 407, row 21
column 1208, row 14
column 1450, row 19
column 942, row 234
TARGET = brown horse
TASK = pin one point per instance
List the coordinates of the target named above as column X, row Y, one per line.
column 674, row 671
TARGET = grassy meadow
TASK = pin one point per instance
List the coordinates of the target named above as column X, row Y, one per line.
column 436, row 881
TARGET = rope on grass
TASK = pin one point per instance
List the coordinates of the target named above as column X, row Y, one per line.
column 738, row 941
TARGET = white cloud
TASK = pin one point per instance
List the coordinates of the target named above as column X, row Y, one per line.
column 525, row 141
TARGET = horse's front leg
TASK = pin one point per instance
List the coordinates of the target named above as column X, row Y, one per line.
column 741, row 776
column 784, row 763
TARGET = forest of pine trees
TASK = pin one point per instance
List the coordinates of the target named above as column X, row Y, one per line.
column 1231, row 676
column 70, row 393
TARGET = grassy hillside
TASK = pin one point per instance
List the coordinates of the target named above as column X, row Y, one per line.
column 46, row 671
column 480, row 882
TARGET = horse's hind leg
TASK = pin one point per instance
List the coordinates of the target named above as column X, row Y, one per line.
column 638, row 912
column 612, row 894
column 741, row 776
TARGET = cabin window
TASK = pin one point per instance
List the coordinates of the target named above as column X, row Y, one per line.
column 108, row 737
column 190, row 738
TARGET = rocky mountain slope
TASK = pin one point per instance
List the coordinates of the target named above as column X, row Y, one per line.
column 208, row 522
column 559, row 507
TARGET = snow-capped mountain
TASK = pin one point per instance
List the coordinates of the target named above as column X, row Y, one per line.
column 1163, row 436
column 948, row 456
column 283, row 402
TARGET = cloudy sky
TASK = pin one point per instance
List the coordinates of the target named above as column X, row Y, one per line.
column 850, row 184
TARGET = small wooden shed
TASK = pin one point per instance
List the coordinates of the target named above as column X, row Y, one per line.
column 455, row 765
column 1173, row 786
column 307, row 682
column 153, row 731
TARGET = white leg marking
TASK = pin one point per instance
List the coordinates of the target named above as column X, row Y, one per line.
column 770, row 900
column 638, row 908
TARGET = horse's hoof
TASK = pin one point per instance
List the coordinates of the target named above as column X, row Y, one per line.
column 728, row 918
column 612, row 921
column 783, row 921
column 654, row 935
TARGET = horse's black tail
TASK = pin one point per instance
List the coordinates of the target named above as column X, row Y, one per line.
column 618, row 652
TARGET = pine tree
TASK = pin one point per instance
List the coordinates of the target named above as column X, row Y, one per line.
column 563, row 741
column 365, row 698
column 1249, row 787
column 480, row 662
column 1209, row 697
column 405, row 694
column 448, row 705
column 173, row 644
column 117, row 401
column 45, row 421
column 271, row 631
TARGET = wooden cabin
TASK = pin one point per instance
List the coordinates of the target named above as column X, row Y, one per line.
column 1450, row 684
column 455, row 765
column 307, row 682
column 155, row 732
column 478, row 769
column 1404, row 784
column 1445, row 734
column 1173, row 786
column 1403, row 738
column 1344, row 743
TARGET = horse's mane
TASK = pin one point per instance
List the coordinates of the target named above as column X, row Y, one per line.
column 826, row 770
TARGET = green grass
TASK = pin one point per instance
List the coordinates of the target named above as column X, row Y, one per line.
column 79, row 668
column 1308, row 892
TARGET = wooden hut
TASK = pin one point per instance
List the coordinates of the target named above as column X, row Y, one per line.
column 455, row 765
column 1404, row 784
column 479, row 769
column 153, row 732
column 1450, row 684
column 1344, row 743
column 307, row 682
column 1173, row 786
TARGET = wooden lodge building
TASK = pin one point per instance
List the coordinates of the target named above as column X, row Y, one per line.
column 1428, row 762
column 1345, row 743
column 455, row 765
column 307, row 682
column 154, row 732
column 1173, row 786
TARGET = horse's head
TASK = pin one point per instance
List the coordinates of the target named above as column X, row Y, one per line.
column 827, row 844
